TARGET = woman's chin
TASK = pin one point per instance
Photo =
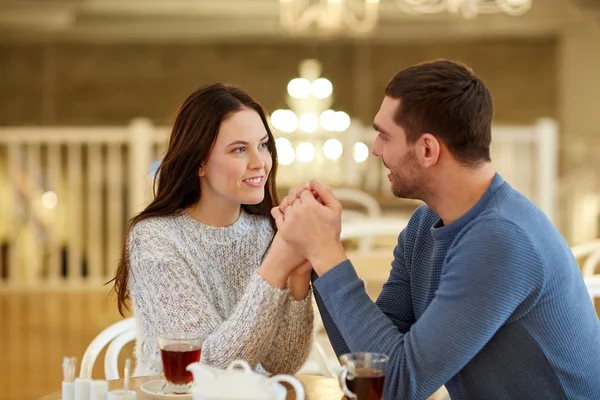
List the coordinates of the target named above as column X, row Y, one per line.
column 253, row 200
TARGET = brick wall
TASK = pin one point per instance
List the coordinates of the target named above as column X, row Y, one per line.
column 74, row 83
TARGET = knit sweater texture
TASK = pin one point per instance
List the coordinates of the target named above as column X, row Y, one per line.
column 188, row 276
column 492, row 305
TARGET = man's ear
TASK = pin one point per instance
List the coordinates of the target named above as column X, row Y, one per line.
column 428, row 150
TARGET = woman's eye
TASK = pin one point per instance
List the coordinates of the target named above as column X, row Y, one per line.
column 264, row 145
column 239, row 150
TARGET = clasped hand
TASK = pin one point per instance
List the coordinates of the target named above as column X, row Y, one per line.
column 309, row 225
column 309, row 220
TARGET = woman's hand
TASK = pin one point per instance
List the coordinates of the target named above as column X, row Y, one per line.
column 281, row 261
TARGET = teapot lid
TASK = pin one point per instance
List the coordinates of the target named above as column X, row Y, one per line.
column 237, row 382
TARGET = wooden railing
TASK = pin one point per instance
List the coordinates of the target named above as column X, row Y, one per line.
column 66, row 193
column 66, row 196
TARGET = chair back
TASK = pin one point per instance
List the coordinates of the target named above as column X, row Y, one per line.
column 111, row 358
column 590, row 253
column 371, row 207
column 593, row 285
column 101, row 341
column 368, row 228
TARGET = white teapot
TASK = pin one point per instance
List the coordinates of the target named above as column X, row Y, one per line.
column 211, row 383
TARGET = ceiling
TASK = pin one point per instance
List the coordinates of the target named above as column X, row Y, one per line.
column 126, row 20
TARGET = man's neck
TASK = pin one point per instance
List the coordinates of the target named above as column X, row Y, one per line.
column 458, row 191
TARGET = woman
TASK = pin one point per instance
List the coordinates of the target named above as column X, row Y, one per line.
column 196, row 258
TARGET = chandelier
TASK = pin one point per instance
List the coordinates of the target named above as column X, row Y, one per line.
column 310, row 126
column 329, row 16
column 467, row 8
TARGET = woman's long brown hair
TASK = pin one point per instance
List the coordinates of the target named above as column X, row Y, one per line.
column 176, row 183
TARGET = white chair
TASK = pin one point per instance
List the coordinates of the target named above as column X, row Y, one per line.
column 593, row 285
column 590, row 251
column 317, row 363
column 371, row 206
column 370, row 203
column 584, row 249
column 111, row 358
column 374, row 226
column 114, row 331
column 323, row 359
column 361, row 227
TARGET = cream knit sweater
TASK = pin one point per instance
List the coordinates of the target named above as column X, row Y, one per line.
column 188, row 276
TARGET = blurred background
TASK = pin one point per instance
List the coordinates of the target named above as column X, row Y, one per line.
column 89, row 88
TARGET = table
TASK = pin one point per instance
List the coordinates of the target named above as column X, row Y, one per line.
column 316, row 388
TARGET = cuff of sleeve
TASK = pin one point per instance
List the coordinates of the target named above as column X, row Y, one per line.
column 299, row 304
column 335, row 279
column 265, row 292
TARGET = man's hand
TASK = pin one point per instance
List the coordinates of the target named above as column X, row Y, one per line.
column 313, row 227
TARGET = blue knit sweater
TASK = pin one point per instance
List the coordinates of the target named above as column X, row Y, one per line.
column 492, row 305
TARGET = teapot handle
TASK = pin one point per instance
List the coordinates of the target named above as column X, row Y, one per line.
column 239, row 363
column 298, row 388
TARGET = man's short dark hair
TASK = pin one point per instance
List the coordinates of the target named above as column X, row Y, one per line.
column 448, row 100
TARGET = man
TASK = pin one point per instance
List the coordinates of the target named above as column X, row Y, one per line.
column 484, row 295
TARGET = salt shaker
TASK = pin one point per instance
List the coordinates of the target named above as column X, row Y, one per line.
column 68, row 384
column 82, row 388
column 98, row 389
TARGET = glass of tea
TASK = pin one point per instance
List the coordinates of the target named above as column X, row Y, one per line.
column 362, row 375
column 177, row 351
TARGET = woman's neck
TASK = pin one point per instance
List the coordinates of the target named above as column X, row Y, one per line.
column 215, row 213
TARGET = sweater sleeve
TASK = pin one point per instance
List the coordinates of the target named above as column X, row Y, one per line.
column 394, row 300
column 166, row 292
column 293, row 338
column 333, row 333
column 490, row 273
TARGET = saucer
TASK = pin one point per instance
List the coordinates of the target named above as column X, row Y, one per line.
column 154, row 388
